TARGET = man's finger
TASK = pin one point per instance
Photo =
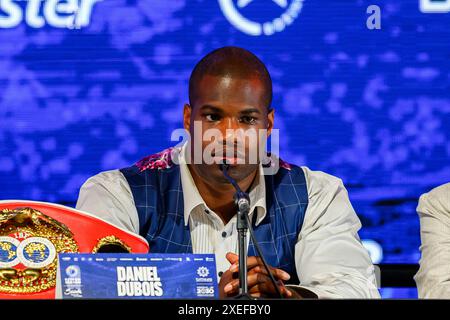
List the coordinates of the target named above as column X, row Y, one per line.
column 268, row 289
column 252, row 263
column 277, row 273
column 252, row 280
column 232, row 258
column 258, row 282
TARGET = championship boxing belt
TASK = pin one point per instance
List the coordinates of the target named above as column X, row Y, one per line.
column 33, row 233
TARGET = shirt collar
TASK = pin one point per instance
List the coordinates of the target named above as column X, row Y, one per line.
column 192, row 198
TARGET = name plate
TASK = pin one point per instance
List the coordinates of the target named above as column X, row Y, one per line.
column 136, row 276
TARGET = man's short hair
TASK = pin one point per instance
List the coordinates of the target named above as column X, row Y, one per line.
column 235, row 62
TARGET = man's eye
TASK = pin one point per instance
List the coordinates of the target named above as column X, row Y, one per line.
column 212, row 117
column 248, row 120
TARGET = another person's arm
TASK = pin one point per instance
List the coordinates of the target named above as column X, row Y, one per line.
column 433, row 278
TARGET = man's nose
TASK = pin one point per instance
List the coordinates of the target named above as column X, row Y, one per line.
column 230, row 129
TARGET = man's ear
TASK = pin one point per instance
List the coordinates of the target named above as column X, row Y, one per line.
column 270, row 120
column 187, row 116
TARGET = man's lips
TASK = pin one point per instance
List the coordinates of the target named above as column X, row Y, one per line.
column 229, row 160
column 233, row 157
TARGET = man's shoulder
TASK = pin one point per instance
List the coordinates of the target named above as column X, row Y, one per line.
column 160, row 161
column 318, row 182
column 314, row 179
column 106, row 179
column 317, row 175
column 320, row 177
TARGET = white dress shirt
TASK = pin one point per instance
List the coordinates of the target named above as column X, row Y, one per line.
column 433, row 278
column 330, row 259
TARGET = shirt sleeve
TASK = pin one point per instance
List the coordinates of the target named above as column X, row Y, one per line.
column 433, row 277
column 330, row 258
column 107, row 195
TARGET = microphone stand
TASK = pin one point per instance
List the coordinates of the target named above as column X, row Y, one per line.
column 242, row 201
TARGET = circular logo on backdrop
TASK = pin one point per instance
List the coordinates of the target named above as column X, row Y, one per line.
column 234, row 11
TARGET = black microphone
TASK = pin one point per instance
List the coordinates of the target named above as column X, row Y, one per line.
column 241, row 198
column 243, row 202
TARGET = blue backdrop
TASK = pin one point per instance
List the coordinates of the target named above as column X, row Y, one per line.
column 99, row 89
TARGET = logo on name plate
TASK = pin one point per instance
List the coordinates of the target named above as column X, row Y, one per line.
column 203, row 272
column 285, row 12
column 73, row 271
column 72, row 282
